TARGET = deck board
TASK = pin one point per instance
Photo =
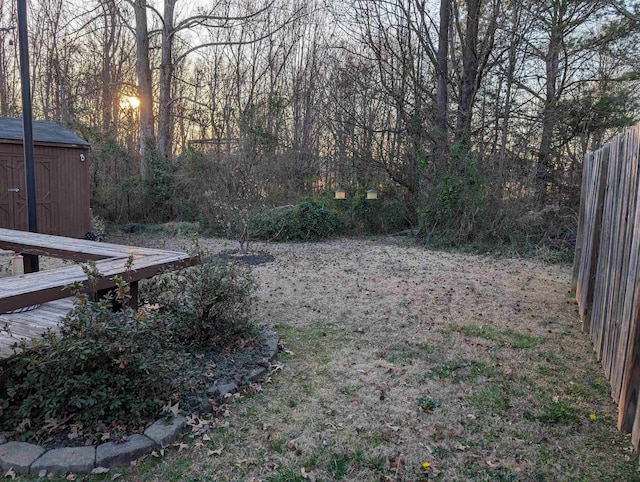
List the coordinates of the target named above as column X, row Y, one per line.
column 31, row 324
column 70, row 248
column 131, row 263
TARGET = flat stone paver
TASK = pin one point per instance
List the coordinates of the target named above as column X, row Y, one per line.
column 163, row 432
column 257, row 373
column 272, row 343
column 221, row 389
column 19, row 456
column 68, row 459
column 111, row 454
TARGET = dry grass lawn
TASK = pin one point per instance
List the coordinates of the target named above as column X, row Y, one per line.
column 404, row 364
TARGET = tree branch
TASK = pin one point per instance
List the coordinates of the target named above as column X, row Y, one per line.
column 182, row 56
column 202, row 19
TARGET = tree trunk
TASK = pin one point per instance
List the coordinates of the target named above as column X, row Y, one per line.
column 109, row 14
column 442, row 99
column 506, row 115
column 145, row 84
column 5, row 34
column 544, row 171
column 469, row 73
column 4, row 104
column 165, row 117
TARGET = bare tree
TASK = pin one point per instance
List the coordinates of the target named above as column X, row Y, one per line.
column 145, row 83
column 476, row 51
column 8, row 56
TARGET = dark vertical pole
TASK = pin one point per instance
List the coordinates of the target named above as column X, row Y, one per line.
column 31, row 262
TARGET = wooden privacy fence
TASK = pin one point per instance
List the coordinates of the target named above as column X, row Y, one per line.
column 606, row 268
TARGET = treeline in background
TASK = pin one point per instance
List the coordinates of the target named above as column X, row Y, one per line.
column 470, row 118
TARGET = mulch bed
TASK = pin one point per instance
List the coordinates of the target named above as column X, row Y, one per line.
column 249, row 258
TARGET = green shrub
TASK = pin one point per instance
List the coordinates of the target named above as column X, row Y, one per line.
column 387, row 214
column 390, row 213
column 214, row 228
column 188, row 210
column 272, row 224
column 207, row 304
column 105, row 367
column 98, row 227
column 455, row 211
column 117, row 194
column 311, row 220
column 159, row 187
column 122, row 366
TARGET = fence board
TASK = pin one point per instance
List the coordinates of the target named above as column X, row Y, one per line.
column 587, row 167
column 605, row 271
column 595, row 172
column 606, row 268
column 629, row 273
column 620, row 237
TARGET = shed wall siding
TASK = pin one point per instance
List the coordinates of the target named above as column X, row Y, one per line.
column 62, row 188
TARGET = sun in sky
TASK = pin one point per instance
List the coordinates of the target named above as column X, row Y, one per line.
column 129, row 102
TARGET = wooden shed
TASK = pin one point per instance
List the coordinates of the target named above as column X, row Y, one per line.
column 62, row 179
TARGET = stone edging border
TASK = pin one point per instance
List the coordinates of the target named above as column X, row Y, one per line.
column 26, row 458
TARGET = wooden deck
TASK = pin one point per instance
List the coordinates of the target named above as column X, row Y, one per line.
column 51, row 288
column 31, row 324
column 131, row 263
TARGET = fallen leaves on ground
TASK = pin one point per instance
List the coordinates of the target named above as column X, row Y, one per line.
column 217, row 451
column 181, row 446
column 307, row 475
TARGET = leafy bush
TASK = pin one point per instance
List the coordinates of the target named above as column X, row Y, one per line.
column 207, row 304
column 105, row 366
column 387, row 214
column 117, row 194
column 122, row 366
column 310, row 220
column 455, row 210
column 98, row 227
column 548, row 234
column 159, row 187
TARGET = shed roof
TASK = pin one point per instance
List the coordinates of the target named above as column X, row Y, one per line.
column 43, row 131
